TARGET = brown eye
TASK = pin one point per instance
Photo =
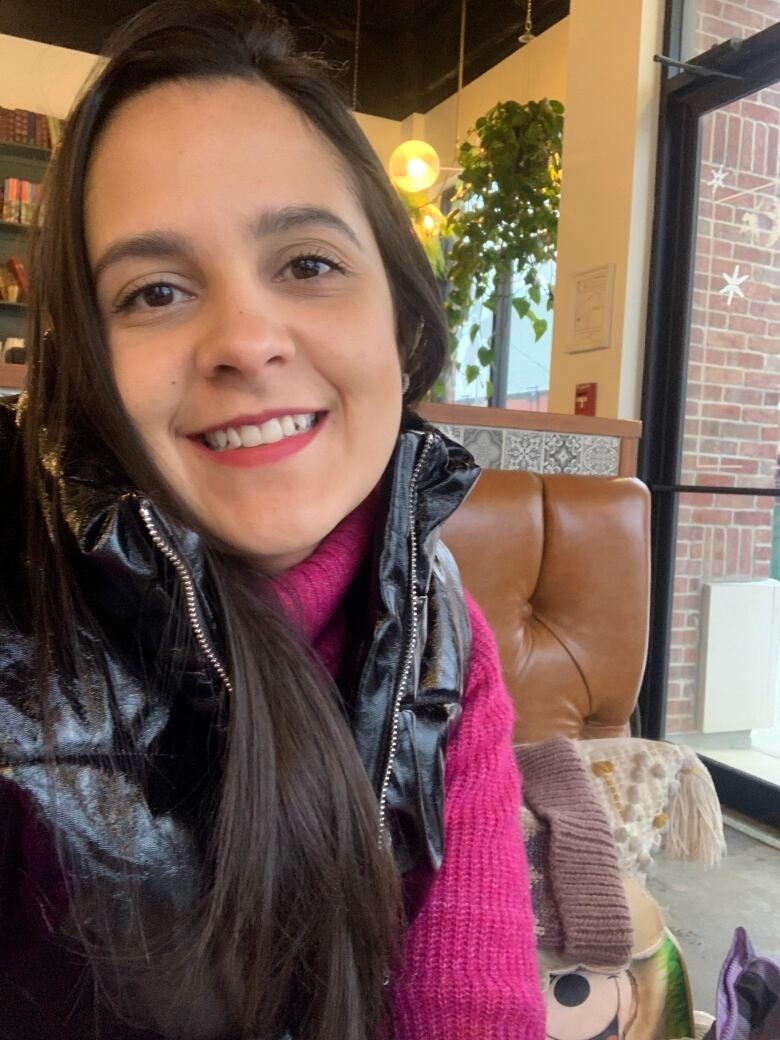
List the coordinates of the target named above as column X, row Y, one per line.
column 309, row 267
column 157, row 295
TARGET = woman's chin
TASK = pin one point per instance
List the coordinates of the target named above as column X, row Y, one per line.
column 271, row 553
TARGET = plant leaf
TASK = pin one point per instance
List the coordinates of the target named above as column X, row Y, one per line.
column 540, row 327
column 521, row 306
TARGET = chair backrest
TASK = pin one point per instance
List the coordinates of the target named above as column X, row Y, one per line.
column 560, row 566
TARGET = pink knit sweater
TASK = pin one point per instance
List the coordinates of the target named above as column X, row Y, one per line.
column 468, row 969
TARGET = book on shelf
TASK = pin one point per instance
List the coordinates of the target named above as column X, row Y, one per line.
column 41, row 131
column 20, row 126
column 18, row 271
column 9, row 288
column 18, row 199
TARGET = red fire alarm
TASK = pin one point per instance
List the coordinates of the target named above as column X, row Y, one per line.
column 585, row 399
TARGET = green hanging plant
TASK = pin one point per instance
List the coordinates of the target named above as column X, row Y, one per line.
column 504, row 219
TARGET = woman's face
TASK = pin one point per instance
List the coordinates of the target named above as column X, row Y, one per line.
column 247, row 310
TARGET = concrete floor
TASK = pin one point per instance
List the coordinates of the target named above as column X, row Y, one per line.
column 703, row 907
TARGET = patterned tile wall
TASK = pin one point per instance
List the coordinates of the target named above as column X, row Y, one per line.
column 539, row 451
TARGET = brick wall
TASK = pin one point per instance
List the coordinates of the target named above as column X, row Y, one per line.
column 732, row 432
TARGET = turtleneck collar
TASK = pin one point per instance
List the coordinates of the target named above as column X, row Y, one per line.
column 312, row 592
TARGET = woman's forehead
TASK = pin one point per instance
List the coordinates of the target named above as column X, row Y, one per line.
column 191, row 149
column 209, row 157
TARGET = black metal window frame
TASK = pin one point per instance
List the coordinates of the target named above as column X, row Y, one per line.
column 733, row 69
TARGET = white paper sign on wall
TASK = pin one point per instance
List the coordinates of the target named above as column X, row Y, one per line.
column 591, row 319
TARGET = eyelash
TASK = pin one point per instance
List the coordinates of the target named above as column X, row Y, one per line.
column 130, row 297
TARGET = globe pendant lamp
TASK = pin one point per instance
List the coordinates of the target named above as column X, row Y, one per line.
column 414, row 166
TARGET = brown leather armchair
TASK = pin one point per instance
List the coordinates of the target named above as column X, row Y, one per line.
column 560, row 566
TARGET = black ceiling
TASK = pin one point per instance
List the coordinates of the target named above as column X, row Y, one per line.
column 408, row 48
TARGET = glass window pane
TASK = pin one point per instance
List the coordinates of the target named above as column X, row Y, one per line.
column 732, row 422
column 724, row 660
column 528, row 380
column 707, row 23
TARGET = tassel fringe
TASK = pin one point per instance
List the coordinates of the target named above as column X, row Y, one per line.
column 696, row 822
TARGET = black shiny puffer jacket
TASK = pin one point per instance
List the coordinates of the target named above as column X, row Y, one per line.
column 135, row 568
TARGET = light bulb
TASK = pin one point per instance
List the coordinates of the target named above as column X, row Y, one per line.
column 414, row 166
column 417, row 168
column 431, row 220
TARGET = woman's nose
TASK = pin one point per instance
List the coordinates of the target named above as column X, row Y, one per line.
column 242, row 339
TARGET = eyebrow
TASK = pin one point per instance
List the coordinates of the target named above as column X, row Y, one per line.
column 271, row 222
column 169, row 245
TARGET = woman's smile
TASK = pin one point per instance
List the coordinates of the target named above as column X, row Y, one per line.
column 260, row 440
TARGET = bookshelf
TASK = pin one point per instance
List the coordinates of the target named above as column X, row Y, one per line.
column 27, row 162
column 24, row 153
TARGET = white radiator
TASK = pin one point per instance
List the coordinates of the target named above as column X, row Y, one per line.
column 738, row 655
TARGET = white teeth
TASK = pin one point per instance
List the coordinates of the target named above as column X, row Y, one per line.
column 251, row 436
column 269, row 433
column 217, row 440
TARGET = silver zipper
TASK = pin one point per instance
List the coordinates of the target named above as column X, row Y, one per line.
column 414, row 631
column 190, row 599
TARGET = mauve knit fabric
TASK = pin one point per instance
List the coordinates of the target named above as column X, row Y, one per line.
column 582, row 911
column 468, row 969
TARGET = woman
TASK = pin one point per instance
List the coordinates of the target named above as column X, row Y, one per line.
column 235, row 657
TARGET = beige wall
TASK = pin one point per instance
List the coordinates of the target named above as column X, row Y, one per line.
column 535, row 71
column 41, row 77
column 384, row 134
column 606, row 198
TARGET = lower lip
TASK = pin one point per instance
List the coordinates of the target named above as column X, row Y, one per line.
column 263, row 454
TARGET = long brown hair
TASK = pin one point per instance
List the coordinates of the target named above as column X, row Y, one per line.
column 300, row 911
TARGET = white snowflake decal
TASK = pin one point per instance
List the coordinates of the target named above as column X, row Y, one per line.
column 718, row 179
column 774, row 234
column 732, row 286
